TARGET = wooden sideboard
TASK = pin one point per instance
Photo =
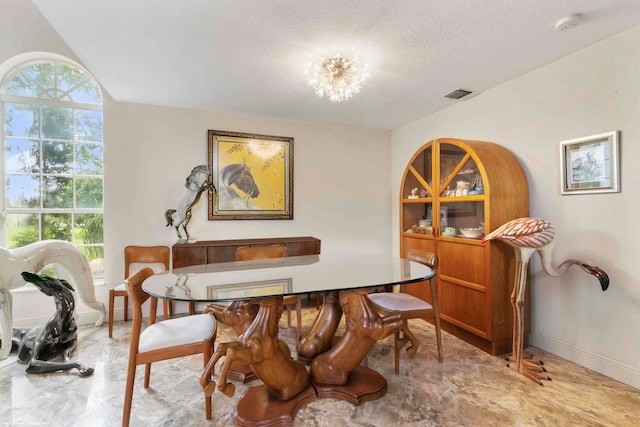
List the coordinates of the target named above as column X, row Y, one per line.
column 215, row 251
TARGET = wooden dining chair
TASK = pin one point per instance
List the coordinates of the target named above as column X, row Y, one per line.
column 168, row 339
column 411, row 307
column 246, row 253
column 135, row 258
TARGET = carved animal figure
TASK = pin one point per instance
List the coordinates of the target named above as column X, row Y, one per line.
column 363, row 328
column 526, row 236
column 240, row 175
column 196, row 183
column 75, row 270
column 269, row 357
column 59, row 337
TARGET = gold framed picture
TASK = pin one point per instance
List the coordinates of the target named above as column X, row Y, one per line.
column 253, row 175
column 264, row 288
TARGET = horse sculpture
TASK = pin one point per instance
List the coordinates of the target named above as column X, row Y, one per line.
column 363, row 328
column 34, row 257
column 240, row 175
column 269, row 357
column 59, row 337
column 196, row 183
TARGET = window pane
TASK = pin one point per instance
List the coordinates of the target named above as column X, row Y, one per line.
column 88, row 159
column 19, row 85
column 56, row 226
column 88, row 193
column 57, row 157
column 88, row 229
column 22, row 155
column 69, row 76
column 88, row 125
column 21, row 120
column 41, row 77
column 22, row 229
column 57, row 122
column 58, row 192
column 95, row 254
column 23, row 191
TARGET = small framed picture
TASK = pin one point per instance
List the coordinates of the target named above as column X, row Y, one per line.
column 590, row 164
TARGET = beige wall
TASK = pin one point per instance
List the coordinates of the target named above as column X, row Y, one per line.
column 593, row 91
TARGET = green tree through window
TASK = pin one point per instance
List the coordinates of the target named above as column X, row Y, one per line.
column 53, row 158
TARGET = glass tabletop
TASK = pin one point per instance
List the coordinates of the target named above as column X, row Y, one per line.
column 283, row 276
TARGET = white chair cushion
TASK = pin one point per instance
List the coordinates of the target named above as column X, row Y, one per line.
column 157, row 267
column 134, row 267
column 178, row 331
column 398, row 301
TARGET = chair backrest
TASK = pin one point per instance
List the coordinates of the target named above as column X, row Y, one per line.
column 138, row 296
column 246, row 253
column 137, row 257
column 423, row 257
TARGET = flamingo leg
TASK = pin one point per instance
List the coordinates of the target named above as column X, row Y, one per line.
column 518, row 361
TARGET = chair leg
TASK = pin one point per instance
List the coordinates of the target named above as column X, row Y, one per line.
column 396, row 351
column 166, row 308
column 438, row 338
column 147, row 374
column 126, row 308
column 128, row 393
column 192, row 308
column 206, row 355
column 111, row 301
column 299, row 317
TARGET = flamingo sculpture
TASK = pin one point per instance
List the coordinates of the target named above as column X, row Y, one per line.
column 526, row 236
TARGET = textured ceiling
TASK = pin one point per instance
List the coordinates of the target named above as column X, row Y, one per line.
column 248, row 56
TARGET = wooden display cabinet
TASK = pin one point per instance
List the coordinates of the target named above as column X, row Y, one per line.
column 466, row 184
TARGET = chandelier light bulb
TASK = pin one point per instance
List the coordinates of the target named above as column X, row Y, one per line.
column 337, row 77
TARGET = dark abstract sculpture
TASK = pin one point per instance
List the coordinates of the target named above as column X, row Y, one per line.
column 196, row 183
column 71, row 264
column 58, row 338
column 526, row 236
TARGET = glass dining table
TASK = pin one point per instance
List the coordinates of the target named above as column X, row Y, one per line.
column 247, row 296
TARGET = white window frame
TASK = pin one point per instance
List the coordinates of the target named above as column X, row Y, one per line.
column 7, row 71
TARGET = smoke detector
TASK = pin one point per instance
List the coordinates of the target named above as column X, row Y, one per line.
column 568, row 22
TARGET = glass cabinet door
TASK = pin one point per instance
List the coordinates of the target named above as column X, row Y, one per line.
column 460, row 194
column 418, row 193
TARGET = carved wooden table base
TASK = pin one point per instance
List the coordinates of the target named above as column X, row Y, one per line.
column 334, row 369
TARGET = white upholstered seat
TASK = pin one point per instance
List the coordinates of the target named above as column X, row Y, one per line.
column 411, row 307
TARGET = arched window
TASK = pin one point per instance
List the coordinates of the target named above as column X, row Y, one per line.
column 52, row 164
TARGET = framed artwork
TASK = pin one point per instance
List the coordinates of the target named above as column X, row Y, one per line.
column 264, row 288
column 590, row 164
column 253, row 175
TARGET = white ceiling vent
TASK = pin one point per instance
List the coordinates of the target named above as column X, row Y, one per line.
column 458, row 93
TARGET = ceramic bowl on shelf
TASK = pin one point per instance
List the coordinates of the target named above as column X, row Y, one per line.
column 471, row 232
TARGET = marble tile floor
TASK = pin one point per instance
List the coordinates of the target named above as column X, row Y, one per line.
column 470, row 388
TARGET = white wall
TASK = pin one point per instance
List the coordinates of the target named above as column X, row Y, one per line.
column 593, row 91
column 342, row 178
column 341, row 181
column 341, row 174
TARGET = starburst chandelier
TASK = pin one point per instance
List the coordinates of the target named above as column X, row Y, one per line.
column 337, row 77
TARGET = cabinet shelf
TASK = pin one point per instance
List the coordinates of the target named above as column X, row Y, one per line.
column 475, row 279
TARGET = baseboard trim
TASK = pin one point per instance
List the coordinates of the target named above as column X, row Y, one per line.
column 596, row 362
